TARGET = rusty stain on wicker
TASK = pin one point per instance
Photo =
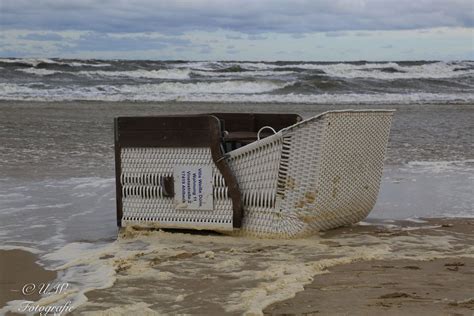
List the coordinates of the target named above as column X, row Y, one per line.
column 318, row 174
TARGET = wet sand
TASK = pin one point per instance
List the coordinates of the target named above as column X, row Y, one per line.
column 398, row 287
column 443, row 286
column 17, row 269
column 413, row 268
column 392, row 267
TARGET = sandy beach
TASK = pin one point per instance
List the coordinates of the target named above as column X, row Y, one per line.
column 416, row 269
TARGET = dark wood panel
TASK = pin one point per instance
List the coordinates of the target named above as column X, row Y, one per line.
column 252, row 122
column 118, row 172
column 193, row 122
column 164, row 138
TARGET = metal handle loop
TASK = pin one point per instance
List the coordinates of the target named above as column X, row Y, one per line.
column 263, row 128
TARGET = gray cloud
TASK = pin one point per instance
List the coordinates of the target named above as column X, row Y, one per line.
column 42, row 37
column 362, row 34
column 245, row 16
column 298, row 36
column 336, row 34
column 93, row 41
column 233, row 37
column 254, row 37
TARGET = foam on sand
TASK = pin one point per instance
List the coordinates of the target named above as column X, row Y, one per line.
column 233, row 274
column 141, row 308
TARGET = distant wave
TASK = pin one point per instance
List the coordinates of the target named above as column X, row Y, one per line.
column 221, row 87
column 42, row 62
column 227, row 93
column 39, row 71
column 29, row 62
column 390, row 70
column 236, row 81
column 253, row 73
column 381, row 71
column 151, row 74
column 144, row 91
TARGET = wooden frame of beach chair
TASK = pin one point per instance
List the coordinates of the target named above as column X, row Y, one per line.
column 311, row 175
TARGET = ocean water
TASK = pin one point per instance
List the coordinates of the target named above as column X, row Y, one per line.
column 237, row 81
column 57, row 186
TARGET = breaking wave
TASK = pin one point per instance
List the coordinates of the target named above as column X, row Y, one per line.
column 151, row 74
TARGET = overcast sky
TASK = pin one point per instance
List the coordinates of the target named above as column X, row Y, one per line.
column 238, row 29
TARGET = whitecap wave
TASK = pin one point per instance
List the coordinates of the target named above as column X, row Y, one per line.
column 256, row 73
column 34, row 62
column 221, row 91
column 28, row 61
column 199, row 65
column 176, row 74
column 39, row 71
column 389, row 71
column 221, row 87
column 84, row 64
column 383, row 70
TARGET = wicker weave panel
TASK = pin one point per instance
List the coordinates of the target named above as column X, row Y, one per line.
column 329, row 171
column 256, row 168
column 143, row 201
column 337, row 182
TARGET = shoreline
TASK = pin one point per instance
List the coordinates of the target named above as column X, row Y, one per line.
column 194, row 273
column 226, row 275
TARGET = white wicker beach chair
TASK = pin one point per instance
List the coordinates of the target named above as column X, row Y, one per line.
column 314, row 175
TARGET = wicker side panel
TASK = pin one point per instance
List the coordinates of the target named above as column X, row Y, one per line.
column 144, row 202
column 336, row 165
column 256, row 169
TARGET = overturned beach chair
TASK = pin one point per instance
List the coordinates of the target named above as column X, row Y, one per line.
column 268, row 175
